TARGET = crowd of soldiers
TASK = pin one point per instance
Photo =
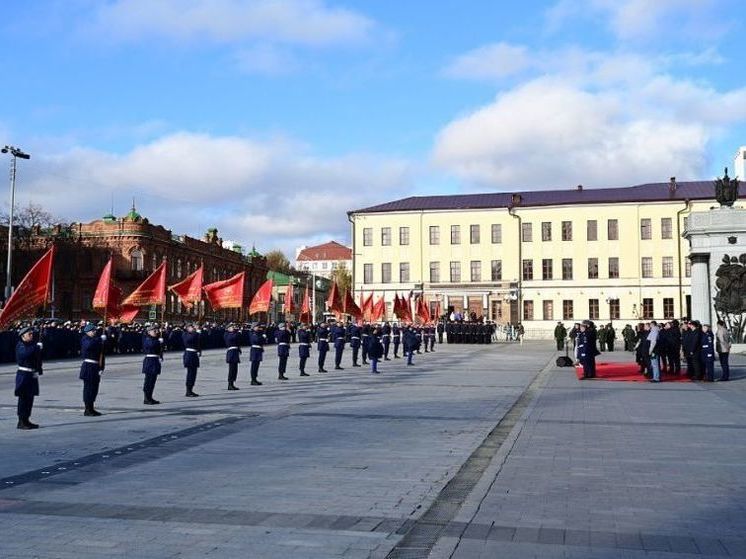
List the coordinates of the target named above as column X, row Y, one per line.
column 369, row 343
column 459, row 332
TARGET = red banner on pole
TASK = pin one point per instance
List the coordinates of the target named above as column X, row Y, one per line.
column 226, row 294
column 305, row 309
column 107, row 298
column 150, row 292
column 349, row 306
column 334, row 301
column 379, row 310
column 32, row 292
column 288, row 306
column 261, row 299
column 189, row 290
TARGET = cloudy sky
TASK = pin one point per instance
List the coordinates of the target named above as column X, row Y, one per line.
column 271, row 118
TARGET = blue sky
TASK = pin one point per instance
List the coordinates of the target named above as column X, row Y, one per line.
column 269, row 119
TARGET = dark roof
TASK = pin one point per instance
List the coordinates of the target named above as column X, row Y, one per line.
column 652, row 192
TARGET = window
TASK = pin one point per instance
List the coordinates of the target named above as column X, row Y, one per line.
column 647, row 266
column 137, row 260
column 497, row 270
column 686, row 223
column 434, row 272
column 434, row 235
column 386, row 272
column 648, row 312
column 528, row 310
column 567, row 310
column 334, row 265
column 614, row 309
column 613, row 267
column 666, row 228
column 668, row 266
column 476, row 270
column 324, row 265
column 591, row 230
column 646, row 229
column 528, row 269
column 368, row 237
column 612, row 230
column 687, row 268
column 668, row 308
column 455, row 234
column 593, row 268
column 403, row 236
column 526, row 233
column 593, row 309
column 567, row 230
column 567, row 268
column 455, row 272
column 547, row 309
column 403, row 272
column 178, row 268
column 367, row 273
column 385, row 236
column 497, row 233
column 546, row 269
column 474, row 234
column 546, row 230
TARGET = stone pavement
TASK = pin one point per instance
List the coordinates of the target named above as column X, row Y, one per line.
column 478, row 451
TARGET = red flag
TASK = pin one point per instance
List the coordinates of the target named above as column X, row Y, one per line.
column 226, row 294
column 334, row 301
column 32, row 292
column 107, row 299
column 379, row 310
column 189, row 290
column 407, row 308
column 437, row 310
column 305, row 309
column 422, row 311
column 367, row 308
column 289, row 306
column 398, row 311
column 260, row 302
column 150, row 292
column 350, row 307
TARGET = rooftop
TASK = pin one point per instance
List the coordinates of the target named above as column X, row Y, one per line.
column 651, row 192
column 328, row 251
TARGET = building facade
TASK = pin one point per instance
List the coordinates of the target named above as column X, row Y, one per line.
column 322, row 260
column 611, row 255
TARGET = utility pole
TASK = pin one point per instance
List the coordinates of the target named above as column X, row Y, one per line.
column 15, row 153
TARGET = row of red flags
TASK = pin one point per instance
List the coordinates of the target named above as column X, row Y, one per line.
column 373, row 312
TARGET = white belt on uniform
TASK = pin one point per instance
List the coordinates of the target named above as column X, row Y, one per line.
column 280, row 343
column 355, row 338
column 323, row 339
column 303, row 343
column 152, row 355
column 191, row 349
column 93, row 361
column 26, row 369
column 233, row 347
column 257, row 346
column 387, row 335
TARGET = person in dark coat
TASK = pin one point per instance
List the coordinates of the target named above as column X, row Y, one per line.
column 28, row 358
column 256, row 353
column 353, row 331
column 304, row 348
column 283, row 350
column 707, row 353
column 642, row 349
column 232, row 341
column 674, row 347
column 376, row 350
column 629, row 336
column 410, row 343
column 560, row 333
column 92, row 353
column 337, row 337
column 386, row 340
column 365, row 342
column 587, row 350
column 322, row 345
column 396, row 338
column 192, row 352
column 431, row 331
column 152, row 346
column 692, row 345
column 441, row 329
column 610, row 336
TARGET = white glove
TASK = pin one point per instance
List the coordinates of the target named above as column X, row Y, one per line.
column 103, row 337
column 41, row 345
column 160, row 340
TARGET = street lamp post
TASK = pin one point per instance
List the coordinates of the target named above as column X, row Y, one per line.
column 15, row 153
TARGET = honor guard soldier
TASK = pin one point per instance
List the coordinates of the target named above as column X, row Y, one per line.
column 152, row 346
column 431, row 333
column 426, row 337
column 418, row 333
column 376, row 350
column 283, row 350
column 304, row 348
column 92, row 353
column 232, row 354
column 396, row 337
column 410, row 343
column 192, row 353
column 322, row 345
column 366, row 341
column 257, row 352
column 707, row 353
column 386, row 340
column 28, row 357
column 441, row 329
column 354, row 333
column 338, row 338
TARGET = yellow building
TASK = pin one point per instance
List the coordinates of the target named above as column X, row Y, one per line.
column 611, row 255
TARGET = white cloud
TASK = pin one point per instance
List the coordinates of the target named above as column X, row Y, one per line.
column 297, row 22
column 492, row 61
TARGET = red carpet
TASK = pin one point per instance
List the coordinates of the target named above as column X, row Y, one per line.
column 626, row 372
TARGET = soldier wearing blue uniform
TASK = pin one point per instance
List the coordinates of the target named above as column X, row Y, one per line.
column 410, row 343
column 257, row 352
column 92, row 353
column 353, row 331
column 232, row 341
column 283, row 350
column 304, row 348
column 386, row 340
column 192, row 352
column 376, row 350
column 322, row 345
column 365, row 342
column 587, row 349
column 396, row 337
column 338, row 339
column 28, row 357
column 152, row 346
column 707, row 352
column 431, row 333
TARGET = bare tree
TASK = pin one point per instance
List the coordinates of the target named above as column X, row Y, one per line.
column 342, row 277
column 29, row 219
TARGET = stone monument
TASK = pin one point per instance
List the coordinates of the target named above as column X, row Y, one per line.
column 717, row 243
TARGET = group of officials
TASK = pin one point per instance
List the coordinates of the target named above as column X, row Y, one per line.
column 369, row 343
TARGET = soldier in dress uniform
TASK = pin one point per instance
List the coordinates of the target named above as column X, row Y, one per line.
column 232, row 341
column 190, row 338
column 92, row 353
column 441, row 329
column 152, row 346
column 366, row 341
column 337, row 335
column 386, row 340
column 707, row 353
column 304, row 348
column 283, row 350
column 587, row 349
column 396, row 336
column 418, row 333
column 322, row 345
column 432, row 337
column 353, row 331
column 28, row 358
column 256, row 339
column 410, row 343
column 375, row 352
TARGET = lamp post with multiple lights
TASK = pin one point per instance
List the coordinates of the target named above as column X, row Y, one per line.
column 15, row 153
